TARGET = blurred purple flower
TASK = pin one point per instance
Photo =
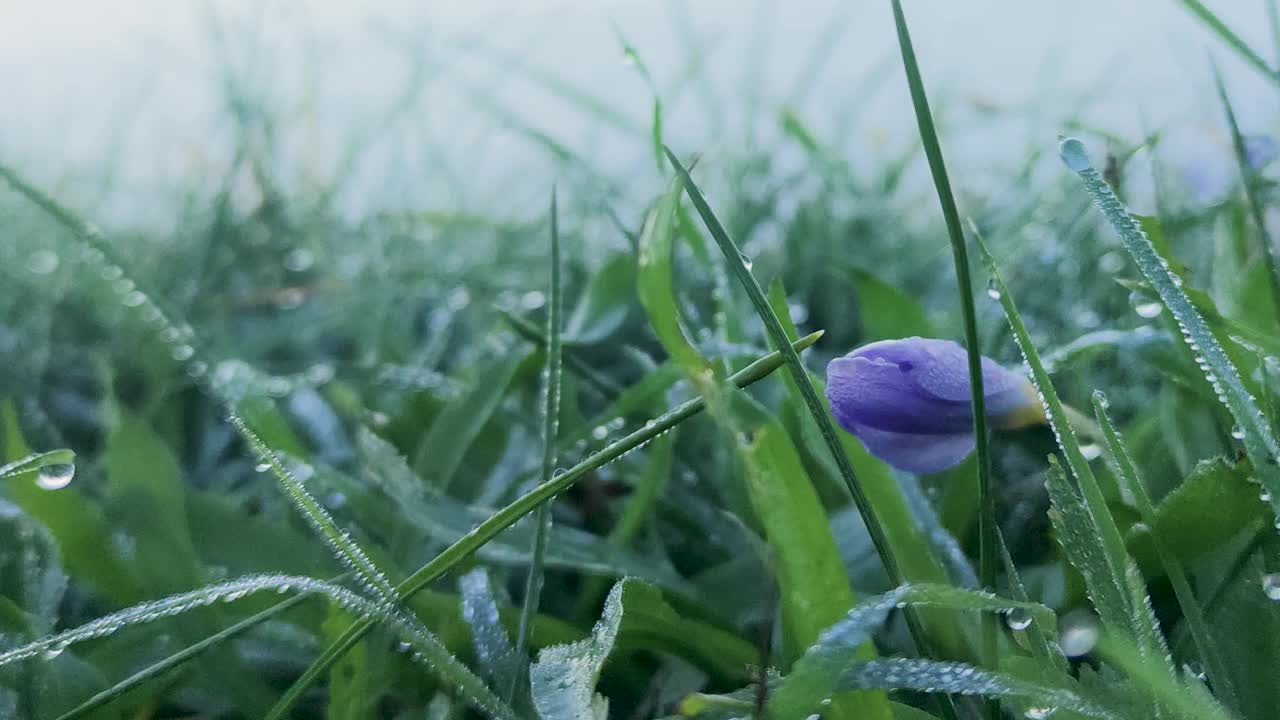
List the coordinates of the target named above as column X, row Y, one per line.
column 1259, row 151
column 908, row 401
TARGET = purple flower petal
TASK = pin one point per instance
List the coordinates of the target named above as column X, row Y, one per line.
column 920, row 454
column 908, row 400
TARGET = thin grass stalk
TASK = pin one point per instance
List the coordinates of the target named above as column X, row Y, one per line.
column 550, row 435
column 987, row 557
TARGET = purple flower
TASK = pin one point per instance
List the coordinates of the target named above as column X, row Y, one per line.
column 908, row 401
column 1259, row 151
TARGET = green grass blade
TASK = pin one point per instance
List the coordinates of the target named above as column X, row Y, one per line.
column 960, row 256
column 37, row 462
column 738, row 264
column 1232, row 40
column 1248, row 177
column 1118, row 577
column 816, row 675
column 1259, row 440
column 550, row 436
column 1127, row 471
column 177, row 659
column 507, row 516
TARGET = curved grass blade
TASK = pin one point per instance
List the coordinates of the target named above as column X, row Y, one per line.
column 1115, row 581
column 933, row 676
column 550, row 435
column 37, row 462
column 960, row 256
column 428, row 649
column 177, row 659
column 1229, row 37
column 507, row 516
column 1127, row 471
column 816, row 675
column 1249, row 179
column 738, row 263
column 1259, row 440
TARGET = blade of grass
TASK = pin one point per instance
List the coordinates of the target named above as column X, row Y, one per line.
column 1250, row 181
column 960, row 256
column 739, row 265
column 1132, row 614
column 550, row 434
column 1259, row 440
column 1215, row 25
column 177, row 659
column 507, row 516
column 1191, row 609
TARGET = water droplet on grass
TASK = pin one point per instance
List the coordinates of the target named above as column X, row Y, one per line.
column 1148, row 310
column 1074, row 154
column 993, row 292
column 746, row 261
column 1237, row 432
column 1271, row 586
column 299, row 260
column 1017, row 619
column 1039, row 713
column 55, row 476
column 42, row 262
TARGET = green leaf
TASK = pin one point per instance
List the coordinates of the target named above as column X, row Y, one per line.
column 563, row 680
column 440, row 454
column 655, row 284
column 494, row 654
column 604, row 304
column 1185, row 529
column 886, row 311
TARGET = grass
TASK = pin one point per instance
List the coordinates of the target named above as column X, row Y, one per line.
column 282, row 462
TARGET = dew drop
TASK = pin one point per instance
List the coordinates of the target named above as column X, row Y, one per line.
column 182, row 352
column 746, row 261
column 1078, row 638
column 1017, row 619
column 52, row 652
column 291, row 298
column 42, row 262
column 1073, row 153
column 1237, row 432
column 55, row 476
column 299, row 260
column 600, row 432
column 197, row 368
column 1039, row 713
column 1091, row 451
column 993, row 292
column 134, row 298
column 1271, row 586
column 1148, row 310
column 262, row 467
